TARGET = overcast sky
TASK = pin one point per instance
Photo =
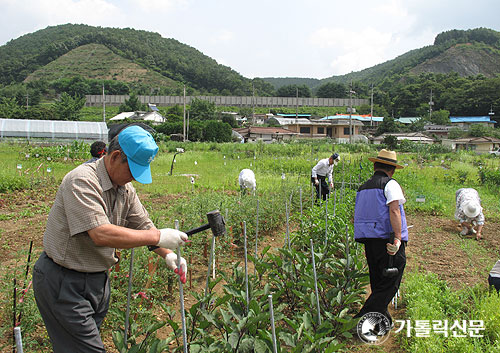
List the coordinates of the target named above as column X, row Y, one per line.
column 269, row 38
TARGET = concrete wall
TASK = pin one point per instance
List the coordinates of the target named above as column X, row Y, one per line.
column 248, row 101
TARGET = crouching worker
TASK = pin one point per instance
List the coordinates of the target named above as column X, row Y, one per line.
column 379, row 212
column 469, row 212
column 95, row 211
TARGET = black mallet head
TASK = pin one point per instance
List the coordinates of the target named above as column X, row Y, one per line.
column 390, row 272
column 216, row 222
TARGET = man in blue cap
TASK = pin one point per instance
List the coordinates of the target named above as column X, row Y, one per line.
column 96, row 210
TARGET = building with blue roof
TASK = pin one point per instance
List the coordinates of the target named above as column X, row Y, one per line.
column 365, row 119
column 467, row 121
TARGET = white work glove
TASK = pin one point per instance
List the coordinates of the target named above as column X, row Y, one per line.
column 392, row 249
column 171, row 260
column 331, row 185
column 171, row 238
column 316, row 181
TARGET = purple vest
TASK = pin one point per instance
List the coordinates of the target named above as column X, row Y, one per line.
column 371, row 214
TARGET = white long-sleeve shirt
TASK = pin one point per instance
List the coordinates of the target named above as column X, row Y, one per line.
column 323, row 168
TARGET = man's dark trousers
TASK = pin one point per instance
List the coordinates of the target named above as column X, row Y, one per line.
column 324, row 187
column 383, row 288
column 72, row 304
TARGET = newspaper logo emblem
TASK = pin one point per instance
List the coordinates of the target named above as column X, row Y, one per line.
column 373, row 328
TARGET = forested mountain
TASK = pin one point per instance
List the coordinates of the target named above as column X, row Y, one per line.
column 468, row 53
column 22, row 57
column 461, row 71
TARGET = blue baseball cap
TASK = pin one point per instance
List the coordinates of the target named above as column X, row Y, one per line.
column 140, row 149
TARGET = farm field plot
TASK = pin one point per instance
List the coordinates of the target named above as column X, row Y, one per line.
column 461, row 263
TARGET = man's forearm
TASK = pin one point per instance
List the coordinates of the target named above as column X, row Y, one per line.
column 395, row 218
column 114, row 236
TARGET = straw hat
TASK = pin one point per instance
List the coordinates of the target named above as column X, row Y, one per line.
column 386, row 157
column 472, row 209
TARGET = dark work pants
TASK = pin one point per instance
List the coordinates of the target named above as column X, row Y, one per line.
column 383, row 288
column 324, row 187
column 72, row 304
column 494, row 281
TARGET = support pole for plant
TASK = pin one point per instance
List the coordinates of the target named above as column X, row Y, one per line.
column 181, row 297
column 256, row 236
column 347, row 251
column 273, row 330
column 334, row 202
column 14, row 317
column 300, row 198
column 246, row 261
column 19, row 339
column 326, row 223
column 26, row 286
column 315, row 283
column 127, row 312
column 210, row 260
column 287, row 225
column 312, row 195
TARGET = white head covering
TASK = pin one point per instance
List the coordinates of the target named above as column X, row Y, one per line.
column 472, row 209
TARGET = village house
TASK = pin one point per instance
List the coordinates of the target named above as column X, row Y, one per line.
column 337, row 129
column 417, row 137
column 476, row 144
column 264, row 134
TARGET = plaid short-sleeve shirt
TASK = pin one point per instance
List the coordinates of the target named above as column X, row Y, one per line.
column 85, row 200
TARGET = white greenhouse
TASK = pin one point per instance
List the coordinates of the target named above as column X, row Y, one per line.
column 55, row 130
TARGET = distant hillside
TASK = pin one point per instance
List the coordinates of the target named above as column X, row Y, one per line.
column 470, row 52
column 96, row 61
column 278, row 82
column 25, row 58
column 464, row 59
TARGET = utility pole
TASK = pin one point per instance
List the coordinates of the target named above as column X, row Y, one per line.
column 184, row 117
column 103, row 105
column 371, row 109
column 431, row 103
column 296, row 103
column 253, row 104
column 187, row 128
column 350, row 113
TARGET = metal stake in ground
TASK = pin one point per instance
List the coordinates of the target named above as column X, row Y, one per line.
column 273, row 330
column 326, row 223
column 315, row 282
column 312, row 196
column 256, row 237
column 14, row 317
column 347, row 251
column 287, row 226
column 246, row 261
column 300, row 198
column 19, row 340
column 127, row 312
column 334, row 202
column 181, row 295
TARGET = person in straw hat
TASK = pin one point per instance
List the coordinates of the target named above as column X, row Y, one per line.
column 378, row 214
column 469, row 212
